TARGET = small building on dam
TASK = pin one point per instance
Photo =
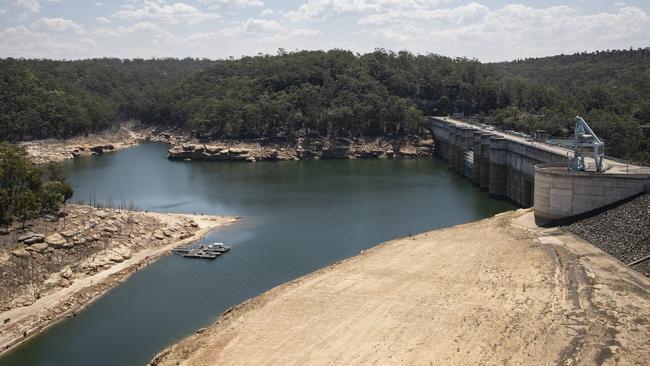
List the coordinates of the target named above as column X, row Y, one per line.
column 532, row 173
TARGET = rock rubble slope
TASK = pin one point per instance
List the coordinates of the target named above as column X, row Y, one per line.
column 623, row 232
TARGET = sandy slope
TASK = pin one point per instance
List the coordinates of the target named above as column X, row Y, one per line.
column 495, row 292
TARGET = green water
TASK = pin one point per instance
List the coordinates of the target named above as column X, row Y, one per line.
column 297, row 217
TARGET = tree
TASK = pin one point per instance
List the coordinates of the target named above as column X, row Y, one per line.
column 54, row 193
column 27, row 206
column 26, row 190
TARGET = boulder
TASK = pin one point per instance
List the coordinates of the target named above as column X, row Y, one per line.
column 26, row 236
column 56, row 240
column 123, row 251
column 408, row 151
column 102, row 214
column 80, row 241
column 114, row 257
column 424, row 151
column 221, row 155
column 426, row 143
column 237, row 151
column 179, row 154
column 111, row 229
column 158, row 235
column 211, row 149
column 38, row 238
column 66, row 273
column 39, row 247
column 69, row 233
column 236, row 157
column 167, row 232
column 20, row 253
column 368, row 153
column 202, row 156
column 64, row 282
column 187, row 147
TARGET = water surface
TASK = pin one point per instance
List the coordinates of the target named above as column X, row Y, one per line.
column 297, row 217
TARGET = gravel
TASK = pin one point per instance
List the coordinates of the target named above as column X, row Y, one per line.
column 623, row 232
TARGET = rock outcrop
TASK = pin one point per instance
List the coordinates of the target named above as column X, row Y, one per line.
column 56, row 240
column 305, row 148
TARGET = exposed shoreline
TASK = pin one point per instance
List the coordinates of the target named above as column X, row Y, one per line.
column 304, row 148
column 28, row 321
column 494, row 291
column 57, row 150
column 183, row 147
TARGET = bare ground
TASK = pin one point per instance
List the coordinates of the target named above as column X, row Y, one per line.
column 500, row 291
column 76, row 258
column 55, row 150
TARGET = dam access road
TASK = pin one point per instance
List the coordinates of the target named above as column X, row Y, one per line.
column 500, row 291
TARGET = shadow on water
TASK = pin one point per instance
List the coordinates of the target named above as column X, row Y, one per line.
column 297, row 217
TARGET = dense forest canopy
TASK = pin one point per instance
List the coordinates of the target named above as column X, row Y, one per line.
column 46, row 98
column 332, row 92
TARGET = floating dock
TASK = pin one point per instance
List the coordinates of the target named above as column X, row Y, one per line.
column 205, row 251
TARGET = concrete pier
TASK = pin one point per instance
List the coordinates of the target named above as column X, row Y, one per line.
column 476, row 173
column 560, row 193
column 467, row 142
column 484, row 179
column 451, row 158
column 505, row 166
column 461, row 142
column 498, row 166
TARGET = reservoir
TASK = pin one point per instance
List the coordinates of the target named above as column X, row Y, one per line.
column 297, row 217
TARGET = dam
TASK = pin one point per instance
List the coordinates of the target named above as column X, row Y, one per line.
column 533, row 173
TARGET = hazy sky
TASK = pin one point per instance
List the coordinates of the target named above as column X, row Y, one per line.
column 487, row 30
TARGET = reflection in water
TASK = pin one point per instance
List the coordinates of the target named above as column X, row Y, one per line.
column 297, row 217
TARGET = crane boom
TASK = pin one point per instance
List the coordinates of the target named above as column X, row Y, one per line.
column 587, row 144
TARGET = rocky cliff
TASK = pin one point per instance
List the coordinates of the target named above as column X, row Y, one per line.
column 304, row 149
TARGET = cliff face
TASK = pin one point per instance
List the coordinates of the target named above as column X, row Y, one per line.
column 53, row 266
column 305, row 149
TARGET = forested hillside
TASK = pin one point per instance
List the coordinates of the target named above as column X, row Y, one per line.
column 45, row 98
column 610, row 89
column 330, row 93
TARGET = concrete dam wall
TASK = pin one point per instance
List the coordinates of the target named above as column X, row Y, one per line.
column 532, row 173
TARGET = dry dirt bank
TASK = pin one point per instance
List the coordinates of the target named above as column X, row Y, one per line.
column 58, row 265
column 127, row 135
column 185, row 147
column 495, row 292
column 54, row 150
